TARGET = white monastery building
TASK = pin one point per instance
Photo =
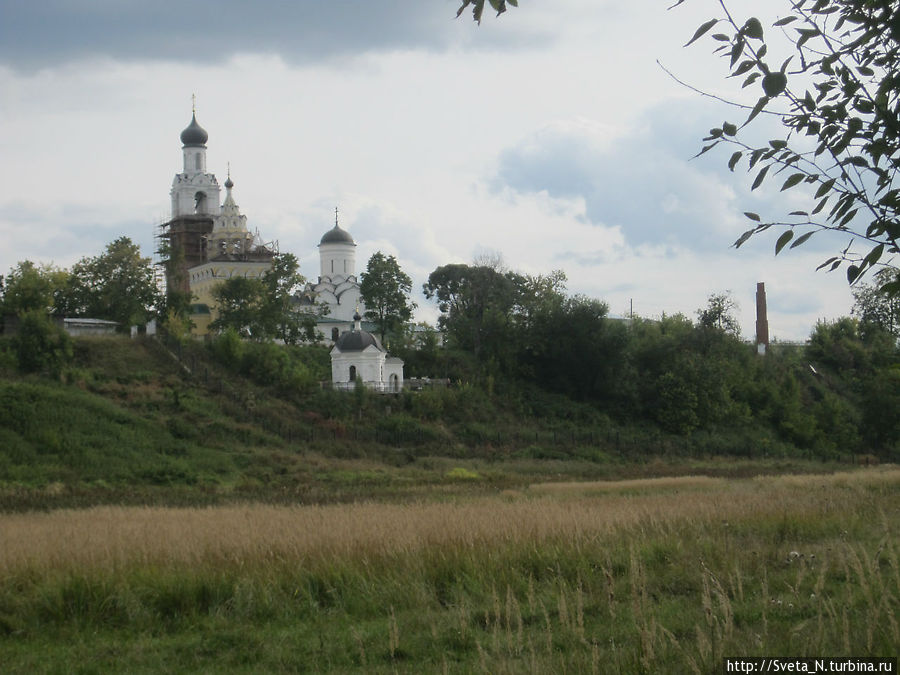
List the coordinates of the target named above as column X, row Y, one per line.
column 359, row 354
column 210, row 242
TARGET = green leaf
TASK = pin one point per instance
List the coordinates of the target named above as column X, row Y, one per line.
column 753, row 28
column 778, row 144
column 743, row 67
column 774, row 83
column 729, row 129
column 700, row 31
column 743, row 238
column 874, row 255
column 735, row 158
column 852, row 273
column 825, row 187
column 802, row 238
column 736, row 51
column 847, row 218
column 760, row 177
column 760, row 104
column 793, row 180
column 752, row 216
column 820, row 206
column 785, row 21
column 753, row 77
column 705, row 149
column 782, row 240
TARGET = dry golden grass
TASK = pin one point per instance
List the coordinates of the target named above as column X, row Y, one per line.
column 106, row 539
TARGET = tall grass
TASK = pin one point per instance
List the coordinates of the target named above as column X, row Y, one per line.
column 642, row 576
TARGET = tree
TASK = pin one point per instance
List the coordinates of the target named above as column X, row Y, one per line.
column 263, row 308
column 719, row 314
column 476, row 303
column 41, row 345
column 30, row 287
column 837, row 96
column 278, row 318
column 118, row 285
column 384, row 289
column 239, row 305
column 876, row 308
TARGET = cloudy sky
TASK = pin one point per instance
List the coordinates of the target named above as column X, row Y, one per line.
column 550, row 136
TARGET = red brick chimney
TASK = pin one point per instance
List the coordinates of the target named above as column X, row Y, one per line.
column 762, row 320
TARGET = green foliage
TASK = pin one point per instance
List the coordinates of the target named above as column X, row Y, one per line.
column 239, row 304
column 478, row 7
column 719, row 314
column 877, row 309
column 28, row 287
column 40, row 345
column 262, row 308
column 837, row 98
column 476, row 303
column 228, row 348
column 384, row 289
column 118, row 285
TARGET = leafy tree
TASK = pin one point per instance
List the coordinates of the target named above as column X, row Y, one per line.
column 175, row 308
column 30, row 287
column 278, row 318
column 118, row 285
column 876, row 308
column 476, row 303
column 719, row 314
column 239, row 305
column 40, row 345
column 837, row 96
column 384, row 289
column 263, row 308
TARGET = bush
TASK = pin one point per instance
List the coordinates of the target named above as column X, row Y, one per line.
column 40, row 345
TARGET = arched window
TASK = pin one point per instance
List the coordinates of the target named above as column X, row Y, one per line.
column 198, row 164
column 335, row 334
column 200, row 202
column 395, row 382
column 352, row 373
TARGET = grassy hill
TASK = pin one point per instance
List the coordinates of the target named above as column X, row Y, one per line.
column 131, row 421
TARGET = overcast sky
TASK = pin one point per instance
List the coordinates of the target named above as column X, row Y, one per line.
column 549, row 136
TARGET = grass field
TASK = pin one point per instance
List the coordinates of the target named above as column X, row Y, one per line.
column 659, row 575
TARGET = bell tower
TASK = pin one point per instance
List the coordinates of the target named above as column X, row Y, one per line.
column 194, row 191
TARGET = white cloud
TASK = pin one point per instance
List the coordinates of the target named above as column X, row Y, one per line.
column 434, row 137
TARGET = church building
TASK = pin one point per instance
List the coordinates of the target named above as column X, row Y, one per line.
column 357, row 355
column 336, row 293
column 208, row 242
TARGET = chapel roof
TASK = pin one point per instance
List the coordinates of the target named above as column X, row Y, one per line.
column 194, row 134
column 357, row 341
column 337, row 236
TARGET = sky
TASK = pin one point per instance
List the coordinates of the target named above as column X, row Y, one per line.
column 550, row 136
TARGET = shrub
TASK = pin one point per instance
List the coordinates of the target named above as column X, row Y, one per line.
column 40, row 345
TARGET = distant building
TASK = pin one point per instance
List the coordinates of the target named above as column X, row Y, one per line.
column 337, row 289
column 208, row 242
column 357, row 354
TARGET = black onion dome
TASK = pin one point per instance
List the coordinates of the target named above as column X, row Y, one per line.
column 356, row 341
column 194, row 134
column 337, row 236
column 229, row 183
